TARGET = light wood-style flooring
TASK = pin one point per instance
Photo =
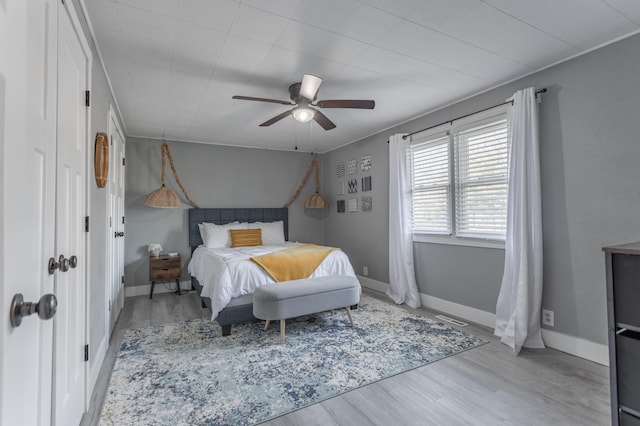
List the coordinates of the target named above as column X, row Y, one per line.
column 488, row 385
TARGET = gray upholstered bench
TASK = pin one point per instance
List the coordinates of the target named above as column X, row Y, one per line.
column 289, row 299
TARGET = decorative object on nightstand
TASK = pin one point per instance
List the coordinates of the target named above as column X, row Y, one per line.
column 154, row 249
column 165, row 267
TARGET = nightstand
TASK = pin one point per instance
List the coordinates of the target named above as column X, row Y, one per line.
column 164, row 268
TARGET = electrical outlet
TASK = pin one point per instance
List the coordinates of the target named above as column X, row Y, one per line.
column 365, row 271
column 547, row 317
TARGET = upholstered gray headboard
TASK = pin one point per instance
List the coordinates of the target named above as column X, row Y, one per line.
column 222, row 216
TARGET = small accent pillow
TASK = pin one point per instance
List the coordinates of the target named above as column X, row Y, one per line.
column 272, row 232
column 217, row 236
column 246, row 237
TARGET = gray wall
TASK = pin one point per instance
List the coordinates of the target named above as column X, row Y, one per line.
column 214, row 176
column 363, row 236
column 590, row 158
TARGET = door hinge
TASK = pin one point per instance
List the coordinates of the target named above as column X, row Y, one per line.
column 122, row 279
column 122, row 219
column 110, row 224
column 87, row 98
column 86, row 224
column 123, row 162
column 109, row 305
column 86, row 353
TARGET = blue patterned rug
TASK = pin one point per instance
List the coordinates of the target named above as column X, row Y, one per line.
column 188, row 374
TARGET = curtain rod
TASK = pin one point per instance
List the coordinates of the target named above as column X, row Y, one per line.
column 544, row 90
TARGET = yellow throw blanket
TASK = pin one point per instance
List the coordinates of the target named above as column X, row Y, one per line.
column 293, row 263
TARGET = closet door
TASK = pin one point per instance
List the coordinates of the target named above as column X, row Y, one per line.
column 72, row 141
column 116, row 219
column 27, row 204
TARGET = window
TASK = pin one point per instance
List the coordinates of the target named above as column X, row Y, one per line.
column 459, row 180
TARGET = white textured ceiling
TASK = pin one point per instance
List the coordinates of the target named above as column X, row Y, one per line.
column 174, row 64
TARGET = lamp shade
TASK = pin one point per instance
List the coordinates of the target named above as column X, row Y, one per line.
column 316, row 201
column 162, row 198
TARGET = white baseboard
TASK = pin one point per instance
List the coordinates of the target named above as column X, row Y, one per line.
column 163, row 287
column 378, row 286
column 577, row 346
column 572, row 345
column 95, row 367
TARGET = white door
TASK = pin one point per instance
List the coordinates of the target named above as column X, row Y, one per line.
column 27, row 203
column 70, row 321
column 116, row 219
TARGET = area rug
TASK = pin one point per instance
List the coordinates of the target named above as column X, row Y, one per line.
column 186, row 373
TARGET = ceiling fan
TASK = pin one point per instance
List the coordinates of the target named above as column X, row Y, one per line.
column 303, row 95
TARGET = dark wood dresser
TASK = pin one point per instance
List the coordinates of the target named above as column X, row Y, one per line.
column 623, row 314
column 165, row 268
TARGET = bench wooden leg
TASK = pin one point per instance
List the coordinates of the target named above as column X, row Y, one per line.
column 282, row 325
column 266, row 325
column 349, row 315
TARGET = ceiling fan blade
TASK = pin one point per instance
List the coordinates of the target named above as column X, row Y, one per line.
column 309, row 87
column 347, row 103
column 276, row 118
column 322, row 120
column 251, row 98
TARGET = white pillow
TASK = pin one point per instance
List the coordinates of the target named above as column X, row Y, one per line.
column 217, row 236
column 272, row 232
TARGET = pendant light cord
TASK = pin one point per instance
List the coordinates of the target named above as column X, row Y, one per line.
column 165, row 151
column 313, row 167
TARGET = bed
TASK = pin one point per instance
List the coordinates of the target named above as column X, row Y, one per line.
column 209, row 270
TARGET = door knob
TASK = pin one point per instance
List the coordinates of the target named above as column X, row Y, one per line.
column 45, row 308
column 73, row 261
column 64, row 263
column 52, row 266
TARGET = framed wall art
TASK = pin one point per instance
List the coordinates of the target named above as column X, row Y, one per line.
column 352, row 166
column 352, row 186
column 367, row 204
column 366, row 183
column 353, row 205
column 365, row 163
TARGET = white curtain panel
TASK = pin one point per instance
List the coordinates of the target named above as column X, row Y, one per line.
column 402, row 280
column 520, row 298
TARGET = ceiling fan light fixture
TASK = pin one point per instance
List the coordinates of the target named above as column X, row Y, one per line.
column 303, row 115
column 309, row 86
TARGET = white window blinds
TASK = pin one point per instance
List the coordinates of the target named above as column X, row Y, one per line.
column 463, row 196
column 430, row 167
column 481, row 184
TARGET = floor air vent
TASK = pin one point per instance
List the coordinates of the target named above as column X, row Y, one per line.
column 452, row 320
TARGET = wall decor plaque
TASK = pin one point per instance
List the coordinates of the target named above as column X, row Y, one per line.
column 352, row 166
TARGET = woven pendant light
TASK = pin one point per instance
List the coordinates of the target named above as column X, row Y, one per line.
column 317, row 200
column 163, row 197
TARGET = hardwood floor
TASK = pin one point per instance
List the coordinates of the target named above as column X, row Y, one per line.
column 484, row 386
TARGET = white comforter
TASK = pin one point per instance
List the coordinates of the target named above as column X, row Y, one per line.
column 227, row 273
